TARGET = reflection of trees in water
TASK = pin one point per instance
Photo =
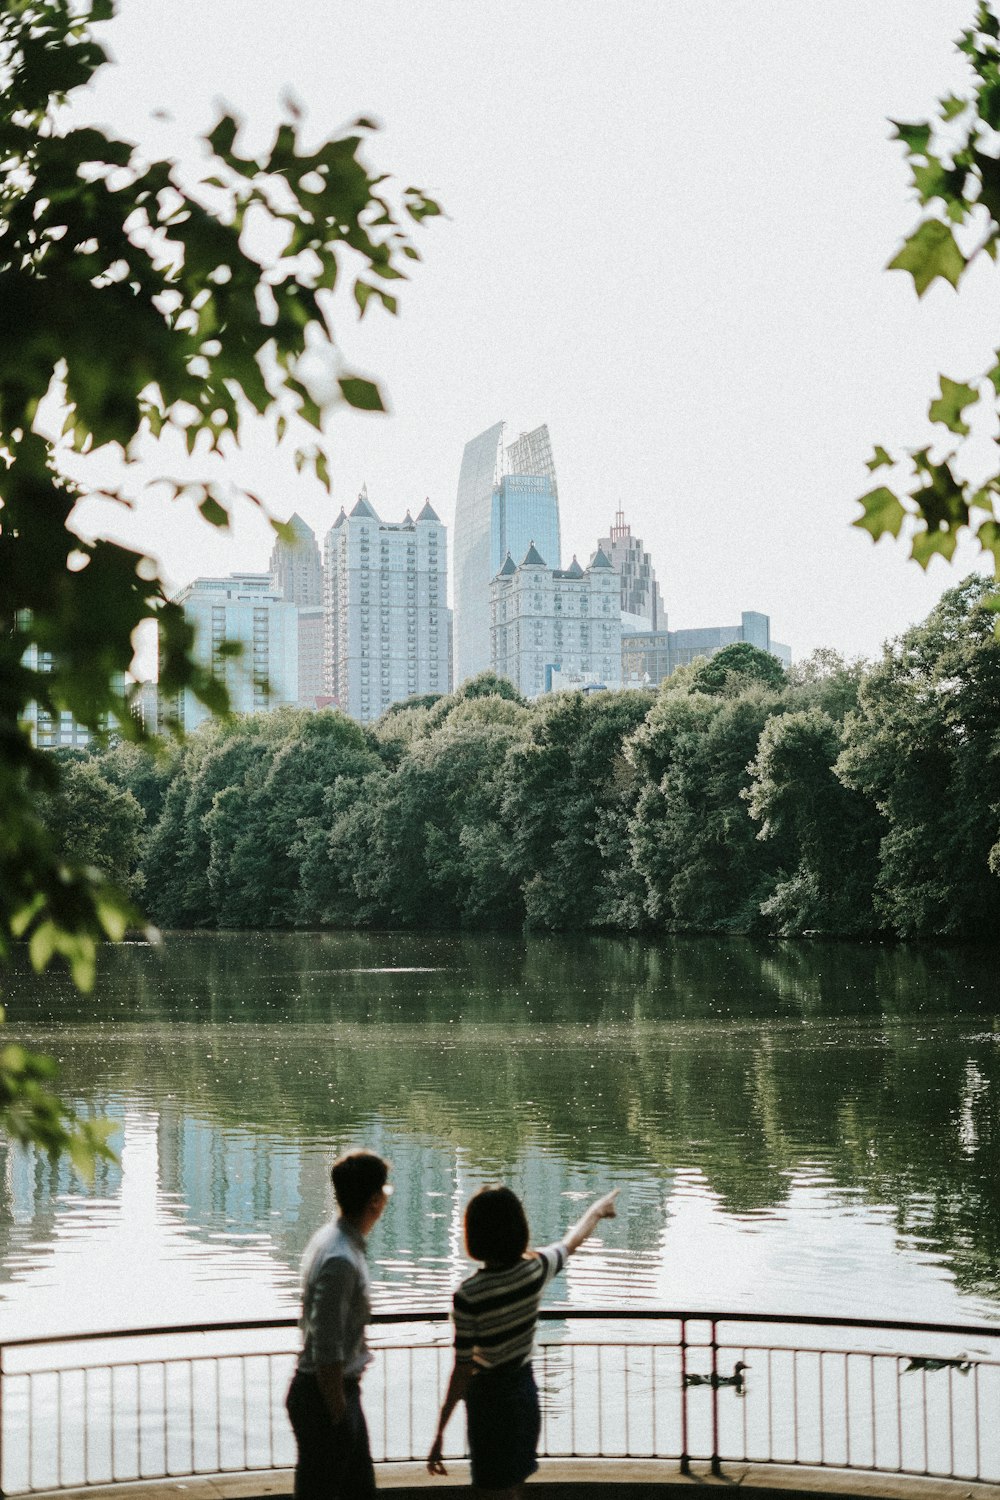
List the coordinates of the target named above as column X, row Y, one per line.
column 757, row 1063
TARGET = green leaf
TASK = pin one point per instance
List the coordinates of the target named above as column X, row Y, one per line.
column 363, row 394
column 879, row 460
column 949, row 406
column 82, row 959
column 932, row 179
column 916, row 138
column 993, row 375
column 214, row 513
column 928, row 544
column 883, row 512
column 112, row 917
column 952, row 106
column 988, row 537
column 23, row 917
column 989, row 184
column 988, row 101
column 930, row 252
column 42, row 945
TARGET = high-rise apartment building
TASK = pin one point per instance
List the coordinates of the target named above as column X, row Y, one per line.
column 297, row 576
column 505, row 500
column 642, row 605
column 241, row 609
column 554, row 627
column 388, row 625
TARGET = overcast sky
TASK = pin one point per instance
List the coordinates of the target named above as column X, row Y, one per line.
column 668, row 224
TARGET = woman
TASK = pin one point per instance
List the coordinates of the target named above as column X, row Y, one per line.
column 495, row 1313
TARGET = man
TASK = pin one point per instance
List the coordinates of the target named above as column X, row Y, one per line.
column 324, row 1399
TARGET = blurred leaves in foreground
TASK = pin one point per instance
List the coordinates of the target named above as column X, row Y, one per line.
column 140, row 298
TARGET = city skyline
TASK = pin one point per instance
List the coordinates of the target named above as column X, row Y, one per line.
column 346, row 661
column 703, row 356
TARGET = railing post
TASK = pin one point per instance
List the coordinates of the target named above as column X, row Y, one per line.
column 685, row 1456
column 1, row 1420
column 716, row 1465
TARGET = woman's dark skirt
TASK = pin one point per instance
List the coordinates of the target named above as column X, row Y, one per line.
column 504, row 1423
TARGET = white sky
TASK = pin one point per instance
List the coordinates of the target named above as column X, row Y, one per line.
column 667, row 233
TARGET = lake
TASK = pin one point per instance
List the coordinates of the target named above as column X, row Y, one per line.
column 804, row 1127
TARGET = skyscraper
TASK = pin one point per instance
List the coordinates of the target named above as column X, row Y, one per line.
column 297, row 576
column 642, row 605
column 524, row 510
column 241, row 608
column 387, row 619
column 531, row 453
column 502, row 507
column 296, row 567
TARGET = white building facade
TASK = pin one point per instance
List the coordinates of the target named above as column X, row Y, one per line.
column 240, row 609
column 387, row 622
column 556, row 628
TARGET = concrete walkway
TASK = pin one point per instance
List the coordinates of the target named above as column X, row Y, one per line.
column 574, row 1479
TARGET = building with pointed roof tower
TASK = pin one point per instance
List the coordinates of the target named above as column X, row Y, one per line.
column 506, row 498
column 642, row 606
column 556, row 627
column 387, row 622
column 296, row 567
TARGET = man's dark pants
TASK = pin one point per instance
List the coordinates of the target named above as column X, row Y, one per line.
column 335, row 1461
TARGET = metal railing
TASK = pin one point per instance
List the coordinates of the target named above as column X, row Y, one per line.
column 692, row 1387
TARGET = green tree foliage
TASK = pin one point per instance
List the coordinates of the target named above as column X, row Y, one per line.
column 923, row 747
column 570, row 796
column 428, row 844
column 141, row 298
column 844, row 800
column 693, row 842
column 955, row 168
column 258, row 831
column 798, row 799
column 734, row 667
column 93, row 822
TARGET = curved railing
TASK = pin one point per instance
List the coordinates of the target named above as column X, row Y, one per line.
column 890, row 1397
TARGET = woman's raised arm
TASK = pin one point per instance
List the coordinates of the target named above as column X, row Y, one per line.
column 603, row 1208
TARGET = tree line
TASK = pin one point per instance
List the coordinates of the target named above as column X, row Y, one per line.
column 852, row 799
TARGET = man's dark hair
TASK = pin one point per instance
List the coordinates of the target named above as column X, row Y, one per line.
column 496, row 1227
column 356, row 1178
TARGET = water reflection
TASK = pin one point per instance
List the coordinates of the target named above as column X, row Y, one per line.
column 810, row 1127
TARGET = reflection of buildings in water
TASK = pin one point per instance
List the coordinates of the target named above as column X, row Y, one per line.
column 32, row 1187
column 234, row 1209
column 226, row 1180
column 91, row 1259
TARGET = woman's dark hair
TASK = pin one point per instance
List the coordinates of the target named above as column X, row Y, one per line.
column 356, row 1178
column 496, row 1228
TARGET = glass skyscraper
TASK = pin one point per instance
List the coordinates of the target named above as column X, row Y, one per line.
column 501, row 507
column 525, row 510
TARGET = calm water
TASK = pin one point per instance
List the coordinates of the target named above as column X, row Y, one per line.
column 795, row 1127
